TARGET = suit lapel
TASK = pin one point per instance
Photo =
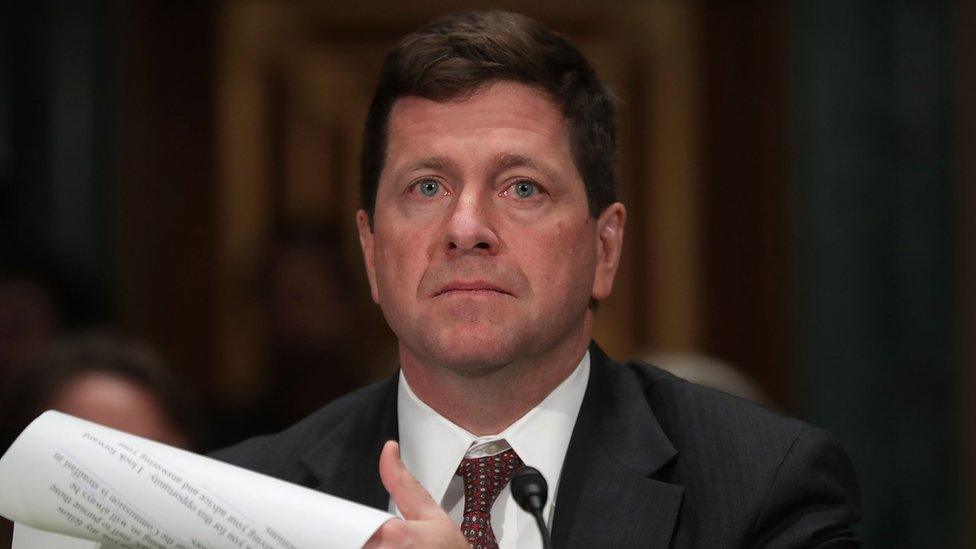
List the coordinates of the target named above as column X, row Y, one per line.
column 345, row 460
column 607, row 496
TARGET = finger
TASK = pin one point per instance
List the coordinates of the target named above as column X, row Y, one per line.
column 410, row 497
column 391, row 534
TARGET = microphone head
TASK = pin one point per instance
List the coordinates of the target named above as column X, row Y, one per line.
column 529, row 489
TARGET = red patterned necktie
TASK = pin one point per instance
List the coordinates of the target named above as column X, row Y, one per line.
column 484, row 478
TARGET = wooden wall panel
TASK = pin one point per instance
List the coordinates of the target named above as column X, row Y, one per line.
column 166, row 203
column 744, row 188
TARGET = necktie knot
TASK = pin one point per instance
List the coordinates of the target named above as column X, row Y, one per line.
column 484, row 479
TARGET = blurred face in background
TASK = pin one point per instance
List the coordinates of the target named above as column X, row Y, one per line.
column 119, row 403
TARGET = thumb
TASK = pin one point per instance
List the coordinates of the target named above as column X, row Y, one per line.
column 413, row 501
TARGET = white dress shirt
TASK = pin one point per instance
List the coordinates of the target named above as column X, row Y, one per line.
column 432, row 448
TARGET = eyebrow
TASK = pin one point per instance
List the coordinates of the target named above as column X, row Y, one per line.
column 510, row 160
column 427, row 163
column 499, row 163
column 507, row 161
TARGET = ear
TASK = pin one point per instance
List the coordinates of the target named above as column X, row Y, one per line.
column 609, row 244
column 366, row 243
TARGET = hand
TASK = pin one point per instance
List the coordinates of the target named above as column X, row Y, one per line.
column 426, row 524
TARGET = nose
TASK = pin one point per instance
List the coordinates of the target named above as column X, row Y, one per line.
column 471, row 227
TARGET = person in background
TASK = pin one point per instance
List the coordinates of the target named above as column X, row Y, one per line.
column 116, row 381
column 322, row 339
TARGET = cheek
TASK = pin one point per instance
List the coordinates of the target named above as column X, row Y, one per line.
column 575, row 242
column 562, row 259
column 401, row 260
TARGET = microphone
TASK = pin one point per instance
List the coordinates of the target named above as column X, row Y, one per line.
column 530, row 491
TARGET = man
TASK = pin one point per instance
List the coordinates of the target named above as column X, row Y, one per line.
column 490, row 228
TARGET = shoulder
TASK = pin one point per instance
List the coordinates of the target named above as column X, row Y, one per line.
column 280, row 454
column 699, row 417
column 782, row 481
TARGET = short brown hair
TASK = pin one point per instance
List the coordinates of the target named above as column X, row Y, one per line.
column 460, row 53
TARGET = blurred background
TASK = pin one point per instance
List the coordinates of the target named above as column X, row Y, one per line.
column 799, row 177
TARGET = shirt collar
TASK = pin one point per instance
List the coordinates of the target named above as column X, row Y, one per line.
column 431, row 446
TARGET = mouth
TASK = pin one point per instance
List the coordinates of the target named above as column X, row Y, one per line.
column 471, row 289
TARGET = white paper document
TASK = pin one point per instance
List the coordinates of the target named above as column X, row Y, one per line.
column 76, row 478
column 26, row 537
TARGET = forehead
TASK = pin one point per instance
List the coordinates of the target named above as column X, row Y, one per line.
column 502, row 114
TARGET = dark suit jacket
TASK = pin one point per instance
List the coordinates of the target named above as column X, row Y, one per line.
column 654, row 461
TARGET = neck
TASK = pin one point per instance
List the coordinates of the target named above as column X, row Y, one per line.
column 473, row 403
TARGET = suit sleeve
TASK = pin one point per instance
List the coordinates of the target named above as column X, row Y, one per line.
column 814, row 499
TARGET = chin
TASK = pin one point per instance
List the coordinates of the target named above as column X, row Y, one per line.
column 473, row 348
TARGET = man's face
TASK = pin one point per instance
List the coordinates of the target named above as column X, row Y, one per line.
column 482, row 251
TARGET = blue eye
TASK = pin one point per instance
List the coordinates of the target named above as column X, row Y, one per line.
column 429, row 188
column 524, row 189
